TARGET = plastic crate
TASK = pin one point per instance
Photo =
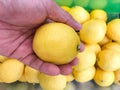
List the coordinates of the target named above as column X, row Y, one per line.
column 112, row 7
column 107, row 5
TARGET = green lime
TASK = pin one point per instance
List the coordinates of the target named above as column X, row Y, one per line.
column 83, row 3
column 64, row 2
column 97, row 4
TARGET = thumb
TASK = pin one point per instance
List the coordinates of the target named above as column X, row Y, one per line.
column 56, row 13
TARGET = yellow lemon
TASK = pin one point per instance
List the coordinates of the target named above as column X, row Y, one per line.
column 98, row 14
column 3, row 58
column 22, row 78
column 66, row 8
column 104, row 78
column 69, row 77
column 93, row 31
column 86, row 59
column 0, row 78
column 31, row 75
column 79, row 14
column 108, row 60
column 105, row 41
column 113, row 31
column 112, row 45
column 56, row 43
column 117, row 77
column 47, row 82
column 93, row 47
column 85, row 75
column 11, row 70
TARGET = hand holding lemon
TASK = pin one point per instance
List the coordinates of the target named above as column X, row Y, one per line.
column 19, row 29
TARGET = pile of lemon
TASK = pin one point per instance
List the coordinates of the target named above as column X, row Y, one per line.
column 100, row 61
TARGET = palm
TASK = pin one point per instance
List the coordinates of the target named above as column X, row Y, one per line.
column 17, row 28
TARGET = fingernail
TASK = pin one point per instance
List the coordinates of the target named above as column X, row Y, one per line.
column 82, row 47
column 78, row 27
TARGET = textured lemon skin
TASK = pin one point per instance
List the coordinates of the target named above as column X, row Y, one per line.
column 56, row 43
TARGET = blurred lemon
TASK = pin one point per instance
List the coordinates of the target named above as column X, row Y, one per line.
column 117, row 77
column 86, row 59
column 105, row 41
column 112, row 45
column 82, row 3
column 85, row 75
column 104, row 78
column 95, row 47
column 22, row 78
column 93, row 31
column 69, row 77
column 56, row 43
column 0, row 78
column 98, row 14
column 47, row 82
column 31, row 75
column 66, row 8
column 109, row 60
column 113, row 29
column 97, row 4
column 79, row 14
column 3, row 58
column 11, row 70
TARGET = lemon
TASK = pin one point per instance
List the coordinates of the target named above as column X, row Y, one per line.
column 56, row 43
column 66, row 8
column 22, row 78
column 85, row 75
column 69, row 77
column 31, row 75
column 47, row 82
column 11, row 70
column 105, row 41
column 109, row 60
column 86, row 59
column 98, row 14
column 112, row 45
column 3, row 58
column 113, row 31
column 82, row 3
column 104, row 78
column 117, row 77
column 93, row 47
column 93, row 31
column 97, row 4
column 79, row 14
column 0, row 78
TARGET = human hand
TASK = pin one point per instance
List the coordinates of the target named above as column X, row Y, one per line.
column 18, row 22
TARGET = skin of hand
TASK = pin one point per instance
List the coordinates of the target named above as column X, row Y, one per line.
column 18, row 22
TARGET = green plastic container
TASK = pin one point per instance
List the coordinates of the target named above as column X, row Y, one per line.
column 112, row 7
column 107, row 5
